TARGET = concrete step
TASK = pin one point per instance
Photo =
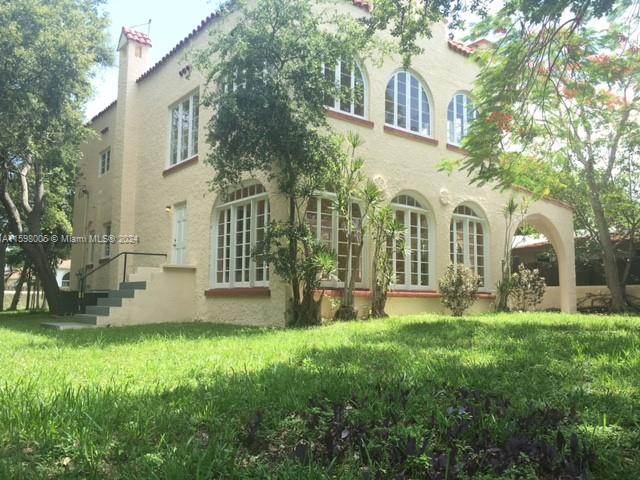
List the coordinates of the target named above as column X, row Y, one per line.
column 85, row 318
column 110, row 301
column 98, row 310
column 133, row 285
column 67, row 325
column 122, row 293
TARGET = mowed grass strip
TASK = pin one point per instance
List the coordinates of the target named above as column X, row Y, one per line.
column 408, row 397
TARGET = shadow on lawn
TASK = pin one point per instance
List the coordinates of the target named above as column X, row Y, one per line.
column 209, row 427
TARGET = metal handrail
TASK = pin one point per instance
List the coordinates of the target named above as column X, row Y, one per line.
column 83, row 278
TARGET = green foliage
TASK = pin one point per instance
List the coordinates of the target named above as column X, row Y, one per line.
column 385, row 229
column 527, row 289
column 201, row 400
column 353, row 191
column 267, row 86
column 49, row 52
column 558, row 106
column 458, row 288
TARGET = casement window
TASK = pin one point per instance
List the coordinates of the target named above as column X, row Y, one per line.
column 107, row 243
column 331, row 229
column 350, row 82
column 411, row 253
column 92, row 247
column 239, row 224
column 105, row 162
column 407, row 104
column 460, row 114
column 184, row 129
column 467, row 243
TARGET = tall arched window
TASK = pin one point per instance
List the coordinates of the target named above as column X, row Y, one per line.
column 460, row 114
column 410, row 256
column 349, row 80
column 407, row 104
column 331, row 229
column 239, row 224
column 467, row 241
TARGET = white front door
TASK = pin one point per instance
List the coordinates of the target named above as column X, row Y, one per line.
column 180, row 234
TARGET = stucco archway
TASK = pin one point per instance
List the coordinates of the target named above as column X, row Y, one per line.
column 561, row 239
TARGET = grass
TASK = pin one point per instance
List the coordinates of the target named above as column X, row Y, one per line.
column 397, row 398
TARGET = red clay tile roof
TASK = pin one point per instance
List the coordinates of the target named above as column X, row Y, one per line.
column 460, row 48
column 204, row 24
column 104, row 110
column 136, row 36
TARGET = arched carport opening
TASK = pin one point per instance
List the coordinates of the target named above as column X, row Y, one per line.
column 558, row 262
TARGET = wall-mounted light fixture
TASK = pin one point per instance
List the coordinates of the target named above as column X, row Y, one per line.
column 168, row 209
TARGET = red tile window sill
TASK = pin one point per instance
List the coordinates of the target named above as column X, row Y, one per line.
column 179, row 166
column 238, row 292
column 335, row 292
column 410, row 135
column 365, row 293
column 457, row 149
column 349, row 118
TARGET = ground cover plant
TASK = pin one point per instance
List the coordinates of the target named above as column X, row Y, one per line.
column 495, row 396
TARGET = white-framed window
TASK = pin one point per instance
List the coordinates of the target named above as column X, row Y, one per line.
column 460, row 114
column 411, row 255
column 238, row 225
column 105, row 162
column 331, row 229
column 407, row 104
column 467, row 241
column 107, row 243
column 92, row 247
column 184, row 129
column 349, row 80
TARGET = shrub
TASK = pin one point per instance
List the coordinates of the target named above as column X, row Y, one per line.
column 527, row 289
column 458, row 287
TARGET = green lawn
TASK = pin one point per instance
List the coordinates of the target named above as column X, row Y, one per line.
column 508, row 396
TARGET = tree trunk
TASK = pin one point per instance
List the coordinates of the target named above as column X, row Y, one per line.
column 3, row 260
column 19, row 285
column 612, row 275
column 46, row 274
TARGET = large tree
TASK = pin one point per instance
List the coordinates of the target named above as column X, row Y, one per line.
column 49, row 50
column 267, row 87
column 574, row 106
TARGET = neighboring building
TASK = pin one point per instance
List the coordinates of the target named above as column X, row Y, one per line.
column 145, row 175
column 592, row 292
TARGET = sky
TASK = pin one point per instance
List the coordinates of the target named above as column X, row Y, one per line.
column 171, row 21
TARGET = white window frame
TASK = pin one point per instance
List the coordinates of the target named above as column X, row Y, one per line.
column 452, row 133
column 453, row 255
column 335, row 238
column 422, row 91
column 107, row 244
column 422, row 210
column 192, row 148
column 231, row 206
column 104, row 155
column 337, row 101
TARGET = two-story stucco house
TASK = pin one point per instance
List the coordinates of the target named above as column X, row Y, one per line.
column 144, row 174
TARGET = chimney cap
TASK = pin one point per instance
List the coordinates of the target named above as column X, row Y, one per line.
column 133, row 35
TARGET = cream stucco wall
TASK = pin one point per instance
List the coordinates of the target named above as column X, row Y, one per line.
column 137, row 193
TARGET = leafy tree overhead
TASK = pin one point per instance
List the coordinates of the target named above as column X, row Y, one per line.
column 575, row 109
column 48, row 51
column 266, row 84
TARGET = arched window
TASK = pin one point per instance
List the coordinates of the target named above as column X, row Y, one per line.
column 459, row 117
column 331, row 229
column 407, row 104
column 467, row 241
column 349, row 80
column 410, row 256
column 239, row 224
